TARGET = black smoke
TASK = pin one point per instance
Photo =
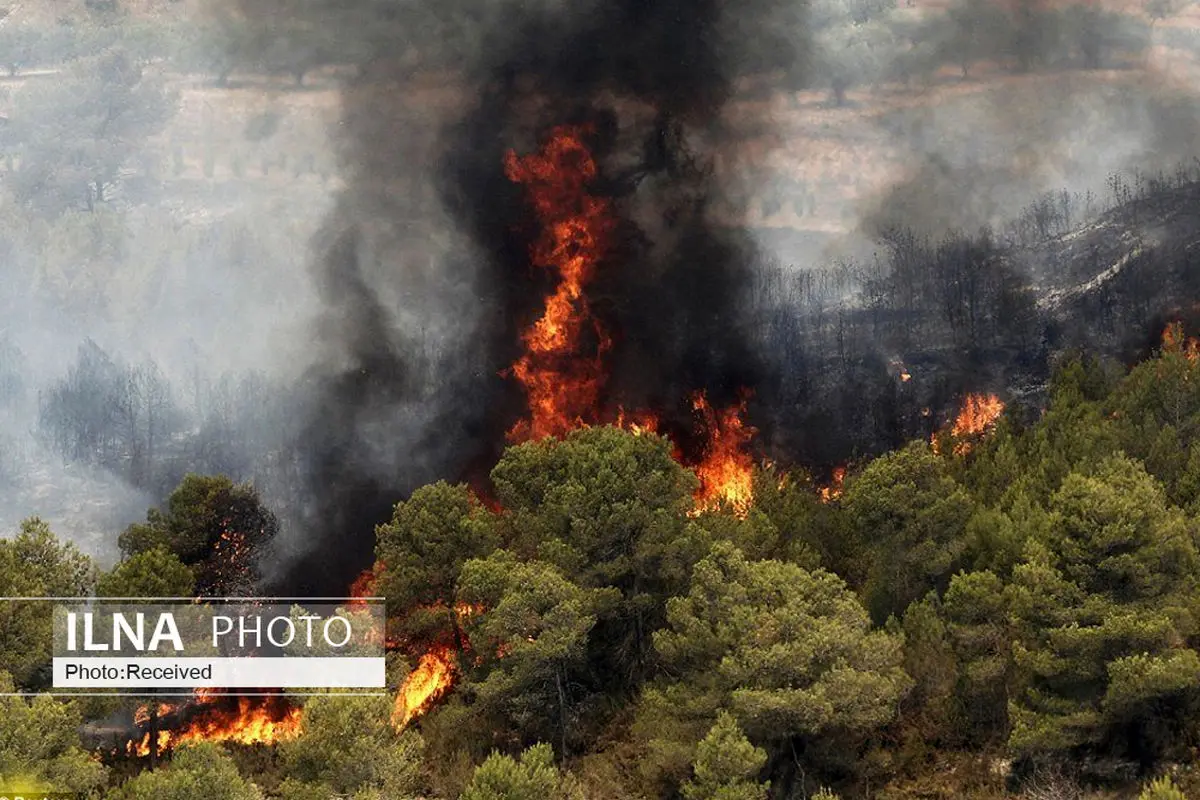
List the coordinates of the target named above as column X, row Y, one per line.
column 425, row 271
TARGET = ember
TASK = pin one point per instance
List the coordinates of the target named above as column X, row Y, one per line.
column 1173, row 340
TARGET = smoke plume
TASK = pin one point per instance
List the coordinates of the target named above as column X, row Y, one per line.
column 425, row 273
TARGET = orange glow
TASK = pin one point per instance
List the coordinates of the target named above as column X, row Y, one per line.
column 834, row 490
column 142, row 715
column 561, row 381
column 364, row 585
column 726, row 471
column 637, row 423
column 978, row 415
column 215, row 718
column 433, row 677
column 467, row 610
column 1173, row 340
column 562, row 368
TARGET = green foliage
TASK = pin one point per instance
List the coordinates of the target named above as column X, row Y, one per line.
column 609, row 509
column 39, row 745
column 726, row 765
column 1162, row 788
column 423, row 548
column 1103, row 609
column 74, row 136
column 790, row 651
column 913, row 514
column 532, row 636
column 933, row 707
column 532, row 776
column 35, row 563
column 802, row 529
column 212, row 525
column 348, row 745
column 196, row 770
column 978, row 631
column 1156, row 412
column 151, row 573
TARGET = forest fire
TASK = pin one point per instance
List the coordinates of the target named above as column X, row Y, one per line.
column 216, row 717
column 979, row 412
column 836, row 486
column 432, row 678
column 726, row 471
column 562, row 370
column 562, row 383
column 1174, row 340
column 364, row 585
column 978, row 415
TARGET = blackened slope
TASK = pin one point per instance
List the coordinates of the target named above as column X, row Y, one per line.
column 1112, row 285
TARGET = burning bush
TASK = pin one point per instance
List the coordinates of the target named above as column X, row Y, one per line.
column 212, row 525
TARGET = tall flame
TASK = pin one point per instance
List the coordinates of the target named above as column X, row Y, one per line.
column 726, row 471
column 978, row 415
column 432, row 678
column 563, row 384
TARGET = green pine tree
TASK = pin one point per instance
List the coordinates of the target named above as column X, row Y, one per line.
column 726, row 765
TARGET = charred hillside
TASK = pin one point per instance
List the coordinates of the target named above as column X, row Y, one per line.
column 1114, row 283
column 874, row 353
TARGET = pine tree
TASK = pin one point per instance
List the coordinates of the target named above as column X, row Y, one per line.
column 726, row 765
column 1103, row 610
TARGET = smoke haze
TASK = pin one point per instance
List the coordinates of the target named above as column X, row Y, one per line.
column 330, row 270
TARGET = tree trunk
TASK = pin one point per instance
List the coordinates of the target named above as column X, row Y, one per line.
column 153, row 735
column 562, row 709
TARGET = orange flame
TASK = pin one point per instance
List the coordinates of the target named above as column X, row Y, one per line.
column 562, row 384
column 255, row 720
column 977, row 416
column 834, row 490
column 979, row 413
column 364, row 585
column 1173, row 340
column 562, row 372
column 433, row 677
column 637, row 423
column 726, row 472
